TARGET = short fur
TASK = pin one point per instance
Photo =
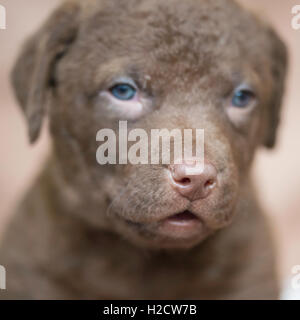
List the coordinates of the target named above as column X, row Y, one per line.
column 89, row 231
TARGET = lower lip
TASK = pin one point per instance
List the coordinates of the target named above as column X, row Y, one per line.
column 183, row 225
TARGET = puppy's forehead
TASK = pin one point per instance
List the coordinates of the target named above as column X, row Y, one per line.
column 173, row 29
column 173, row 37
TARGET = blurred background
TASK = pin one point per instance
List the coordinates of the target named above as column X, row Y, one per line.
column 276, row 173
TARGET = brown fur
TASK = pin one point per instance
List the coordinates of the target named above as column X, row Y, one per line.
column 72, row 238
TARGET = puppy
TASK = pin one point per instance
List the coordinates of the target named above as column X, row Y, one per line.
column 90, row 231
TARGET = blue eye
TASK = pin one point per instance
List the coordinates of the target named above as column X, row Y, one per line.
column 242, row 98
column 123, row 92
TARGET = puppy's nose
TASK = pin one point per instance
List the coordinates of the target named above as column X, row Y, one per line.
column 192, row 184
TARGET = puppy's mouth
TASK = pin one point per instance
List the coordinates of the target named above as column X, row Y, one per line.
column 181, row 229
column 181, row 225
column 182, row 219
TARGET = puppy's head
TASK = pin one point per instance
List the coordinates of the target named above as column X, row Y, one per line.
column 158, row 65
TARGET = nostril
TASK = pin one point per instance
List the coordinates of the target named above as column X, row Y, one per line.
column 185, row 181
column 209, row 184
column 179, row 177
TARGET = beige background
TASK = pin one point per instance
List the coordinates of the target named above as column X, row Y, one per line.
column 276, row 173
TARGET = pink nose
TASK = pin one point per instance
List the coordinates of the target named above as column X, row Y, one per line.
column 189, row 183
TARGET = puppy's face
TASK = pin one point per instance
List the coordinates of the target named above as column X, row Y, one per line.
column 175, row 65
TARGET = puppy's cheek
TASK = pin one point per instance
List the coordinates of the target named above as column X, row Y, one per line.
column 247, row 135
column 224, row 207
column 218, row 210
column 144, row 196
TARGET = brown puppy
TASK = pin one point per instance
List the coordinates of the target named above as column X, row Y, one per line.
column 146, row 231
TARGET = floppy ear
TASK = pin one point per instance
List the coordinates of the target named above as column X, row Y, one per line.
column 279, row 62
column 33, row 72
